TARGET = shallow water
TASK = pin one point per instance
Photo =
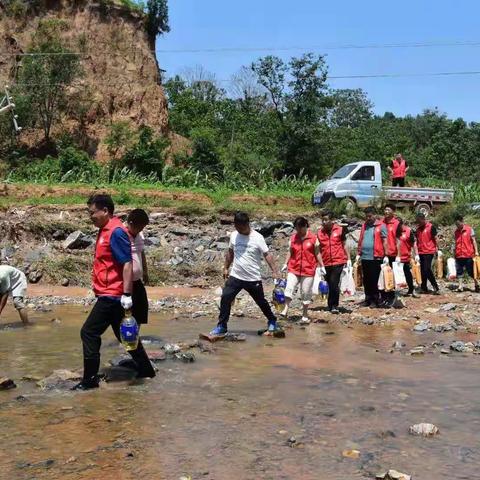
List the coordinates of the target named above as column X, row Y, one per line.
column 230, row 414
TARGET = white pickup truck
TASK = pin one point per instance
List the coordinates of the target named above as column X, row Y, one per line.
column 360, row 184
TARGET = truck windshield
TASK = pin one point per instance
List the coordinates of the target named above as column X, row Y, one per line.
column 344, row 171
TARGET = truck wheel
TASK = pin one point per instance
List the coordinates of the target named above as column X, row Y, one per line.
column 350, row 205
column 424, row 208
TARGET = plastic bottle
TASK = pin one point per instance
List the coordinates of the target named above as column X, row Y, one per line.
column 323, row 290
column 278, row 296
column 129, row 332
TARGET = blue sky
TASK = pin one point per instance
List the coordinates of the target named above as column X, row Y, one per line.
column 204, row 24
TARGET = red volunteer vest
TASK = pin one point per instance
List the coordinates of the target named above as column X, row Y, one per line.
column 406, row 245
column 392, row 227
column 378, row 250
column 107, row 273
column 302, row 255
column 331, row 246
column 464, row 247
column 427, row 245
column 399, row 168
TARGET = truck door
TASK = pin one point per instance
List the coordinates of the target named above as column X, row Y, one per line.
column 365, row 185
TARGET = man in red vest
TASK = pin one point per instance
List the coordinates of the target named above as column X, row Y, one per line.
column 372, row 246
column 426, row 235
column 408, row 247
column 465, row 250
column 112, row 285
column 331, row 241
column 398, row 170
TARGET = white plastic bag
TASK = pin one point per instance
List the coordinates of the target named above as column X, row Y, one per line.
column 347, row 282
column 451, row 269
column 381, row 281
column 399, row 275
column 316, row 281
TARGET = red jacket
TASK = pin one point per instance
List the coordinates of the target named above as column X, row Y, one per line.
column 107, row 273
column 406, row 244
column 378, row 250
column 427, row 244
column 303, row 261
column 399, row 168
column 392, row 228
column 331, row 246
column 464, row 247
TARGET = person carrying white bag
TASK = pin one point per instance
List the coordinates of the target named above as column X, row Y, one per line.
column 347, row 283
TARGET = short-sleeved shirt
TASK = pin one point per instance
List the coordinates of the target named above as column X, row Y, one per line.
column 121, row 246
column 248, row 251
column 12, row 281
column 369, row 239
column 138, row 244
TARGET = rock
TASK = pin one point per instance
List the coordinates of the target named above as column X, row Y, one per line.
column 7, row 383
column 171, row 348
column 424, row 429
column 220, row 245
column 152, row 339
column 458, row 346
column 393, row 475
column 351, row 454
column 59, row 379
column 420, row 350
column 152, row 242
column 35, row 276
column 198, row 314
column 59, row 235
column 200, row 249
column 444, row 351
column 448, row 307
column 398, row 345
column 7, row 253
column 187, row 357
column 235, row 337
column 158, row 215
column 65, row 282
column 77, row 240
column 431, row 310
column 156, row 355
column 422, row 326
column 368, row 321
column 120, row 373
column 37, row 254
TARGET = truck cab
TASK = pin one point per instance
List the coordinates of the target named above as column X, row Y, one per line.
column 358, row 182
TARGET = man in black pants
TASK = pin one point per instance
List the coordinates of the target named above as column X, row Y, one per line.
column 112, row 285
column 426, row 235
column 246, row 250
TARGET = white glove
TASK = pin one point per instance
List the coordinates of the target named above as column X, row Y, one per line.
column 349, row 264
column 126, row 302
column 284, row 268
column 417, row 258
column 386, row 261
column 357, row 258
column 321, row 271
column 440, row 253
column 398, row 260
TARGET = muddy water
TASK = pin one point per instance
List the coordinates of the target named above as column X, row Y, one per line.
column 230, row 414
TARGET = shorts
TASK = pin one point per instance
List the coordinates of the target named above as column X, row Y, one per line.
column 463, row 264
column 19, row 303
column 306, row 284
column 20, row 289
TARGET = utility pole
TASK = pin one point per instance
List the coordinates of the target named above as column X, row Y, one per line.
column 7, row 105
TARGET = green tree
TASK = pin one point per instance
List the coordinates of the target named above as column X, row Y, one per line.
column 46, row 77
column 351, row 108
column 157, row 19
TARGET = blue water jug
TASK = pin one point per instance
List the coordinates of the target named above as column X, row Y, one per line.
column 278, row 296
column 129, row 332
column 323, row 289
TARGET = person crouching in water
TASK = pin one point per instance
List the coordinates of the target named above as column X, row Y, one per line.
column 112, row 285
column 372, row 246
column 13, row 282
column 245, row 252
column 332, row 239
column 137, row 220
column 301, row 263
column 465, row 250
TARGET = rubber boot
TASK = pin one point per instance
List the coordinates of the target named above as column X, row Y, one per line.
column 90, row 374
column 145, row 368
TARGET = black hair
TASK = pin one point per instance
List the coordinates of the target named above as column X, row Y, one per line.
column 329, row 214
column 421, row 215
column 101, row 201
column 370, row 210
column 138, row 217
column 391, row 206
column 301, row 222
column 241, row 218
column 458, row 217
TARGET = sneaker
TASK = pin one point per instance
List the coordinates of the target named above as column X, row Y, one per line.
column 436, row 292
column 334, row 311
column 218, row 331
column 415, row 295
column 459, row 290
column 86, row 385
column 365, row 303
column 304, row 321
column 272, row 326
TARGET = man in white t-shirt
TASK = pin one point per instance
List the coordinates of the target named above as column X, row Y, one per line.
column 246, row 250
column 13, row 282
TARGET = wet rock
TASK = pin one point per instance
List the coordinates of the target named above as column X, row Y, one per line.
column 171, row 348
column 431, row 310
column 393, row 475
column 156, row 355
column 235, row 337
column 424, row 429
column 351, row 454
column 398, row 345
column 187, row 357
column 123, row 360
column 77, row 241
column 152, row 339
column 199, row 314
column 422, row 326
column 65, row 282
column 119, row 373
column 7, row 383
column 448, row 307
column 444, row 351
column 35, row 276
column 458, row 346
column 368, row 321
column 420, row 350
column 60, row 380
column 291, row 441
